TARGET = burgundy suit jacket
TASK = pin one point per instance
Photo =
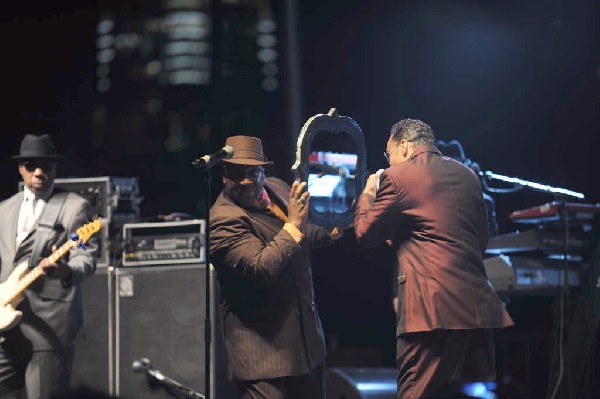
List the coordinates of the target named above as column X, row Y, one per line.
column 432, row 207
column 270, row 322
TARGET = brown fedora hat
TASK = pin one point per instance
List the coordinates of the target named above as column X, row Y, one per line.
column 247, row 150
column 34, row 146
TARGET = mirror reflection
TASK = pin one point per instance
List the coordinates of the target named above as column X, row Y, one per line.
column 332, row 172
column 331, row 157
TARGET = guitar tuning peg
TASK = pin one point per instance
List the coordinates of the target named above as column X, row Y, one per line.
column 74, row 236
column 82, row 245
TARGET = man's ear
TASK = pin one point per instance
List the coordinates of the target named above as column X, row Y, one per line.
column 404, row 149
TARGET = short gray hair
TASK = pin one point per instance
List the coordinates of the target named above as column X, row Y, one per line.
column 412, row 130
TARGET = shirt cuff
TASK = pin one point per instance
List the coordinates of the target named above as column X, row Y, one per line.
column 294, row 232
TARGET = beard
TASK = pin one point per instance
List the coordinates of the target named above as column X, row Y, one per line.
column 247, row 196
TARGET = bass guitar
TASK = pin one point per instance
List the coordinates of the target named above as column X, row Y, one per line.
column 11, row 291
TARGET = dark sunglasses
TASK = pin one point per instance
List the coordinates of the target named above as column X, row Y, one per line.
column 238, row 173
column 32, row 164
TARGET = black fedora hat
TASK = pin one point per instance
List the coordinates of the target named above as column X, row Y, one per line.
column 34, row 146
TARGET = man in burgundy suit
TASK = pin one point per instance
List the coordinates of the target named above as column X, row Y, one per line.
column 260, row 244
column 432, row 208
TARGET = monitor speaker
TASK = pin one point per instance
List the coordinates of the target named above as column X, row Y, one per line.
column 160, row 316
column 361, row 383
column 93, row 362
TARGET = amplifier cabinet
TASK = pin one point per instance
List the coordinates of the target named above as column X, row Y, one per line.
column 160, row 315
column 93, row 360
column 114, row 199
column 164, row 243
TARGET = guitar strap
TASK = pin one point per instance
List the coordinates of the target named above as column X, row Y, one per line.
column 46, row 225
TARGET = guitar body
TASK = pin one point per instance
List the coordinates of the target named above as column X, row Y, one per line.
column 9, row 316
column 11, row 291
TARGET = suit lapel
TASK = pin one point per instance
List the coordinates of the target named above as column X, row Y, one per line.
column 268, row 219
column 278, row 191
column 260, row 217
column 13, row 219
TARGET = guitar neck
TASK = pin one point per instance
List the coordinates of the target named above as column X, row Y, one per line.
column 36, row 272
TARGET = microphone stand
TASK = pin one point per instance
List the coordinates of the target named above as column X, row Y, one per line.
column 519, row 183
column 205, row 168
column 169, row 383
column 207, row 320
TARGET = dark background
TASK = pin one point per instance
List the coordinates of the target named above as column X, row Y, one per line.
column 516, row 82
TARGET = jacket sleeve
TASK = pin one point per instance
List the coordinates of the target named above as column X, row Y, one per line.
column 82, row 262
column 317, row 236
column 376, row 219
column 237, row 251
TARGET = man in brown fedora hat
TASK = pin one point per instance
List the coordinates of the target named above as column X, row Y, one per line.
column 260, row 242
column 36, row 355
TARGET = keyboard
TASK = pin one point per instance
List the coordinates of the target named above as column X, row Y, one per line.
column 552, row 212
column 537, row 239
column 514, row 274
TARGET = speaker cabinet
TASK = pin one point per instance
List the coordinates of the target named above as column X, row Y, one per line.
column 361, row 383
column 93, row 359
column 160, row 315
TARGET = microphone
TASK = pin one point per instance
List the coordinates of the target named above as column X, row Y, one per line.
column 141, row 364
column 210, row 160
column 144, row 364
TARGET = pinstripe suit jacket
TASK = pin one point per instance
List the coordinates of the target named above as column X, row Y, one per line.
column 52, row 312
column 270, row 322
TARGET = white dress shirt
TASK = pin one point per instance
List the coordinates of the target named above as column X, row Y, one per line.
column 31, row 209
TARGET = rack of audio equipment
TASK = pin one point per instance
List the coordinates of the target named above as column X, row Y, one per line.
column 552, row 249
column 114, row 199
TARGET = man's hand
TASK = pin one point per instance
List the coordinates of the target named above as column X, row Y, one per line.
column 372, row 183
column 298, row 205
column 58, row 269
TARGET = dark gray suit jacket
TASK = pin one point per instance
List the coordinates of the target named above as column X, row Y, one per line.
column 52, row 312
column 270, row 322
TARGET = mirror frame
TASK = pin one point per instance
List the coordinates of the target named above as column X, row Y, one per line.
column 334, row 123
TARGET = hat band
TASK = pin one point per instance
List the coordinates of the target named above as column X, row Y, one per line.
column 261, row 156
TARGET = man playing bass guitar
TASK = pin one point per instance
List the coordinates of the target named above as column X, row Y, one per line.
column 36, row 354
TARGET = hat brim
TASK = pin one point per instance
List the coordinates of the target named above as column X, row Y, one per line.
column 247, row 161
column 35, row 156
